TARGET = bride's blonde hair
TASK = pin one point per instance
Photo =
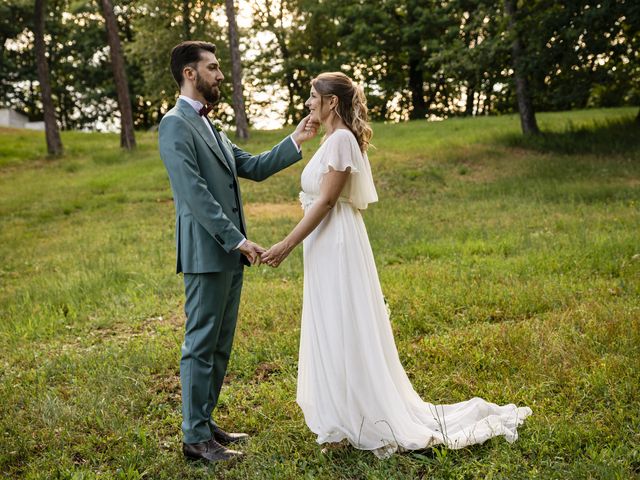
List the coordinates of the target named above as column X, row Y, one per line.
column 352, row 104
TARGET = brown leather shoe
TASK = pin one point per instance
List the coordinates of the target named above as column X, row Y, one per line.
column 211, row 451
column 226, row 438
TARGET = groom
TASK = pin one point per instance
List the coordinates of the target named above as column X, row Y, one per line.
column 211, row 239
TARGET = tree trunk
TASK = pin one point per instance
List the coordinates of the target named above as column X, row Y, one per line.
column 242, row 127
column 416, row 85
column 64, row 116
column 289, row 79
column 523, row 91
column 127, row 135
column 54, row 143
column 186, row 20
column 471, row 95
column 486, row 105
column 279, row 29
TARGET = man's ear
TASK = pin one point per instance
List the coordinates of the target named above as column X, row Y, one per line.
column 189, row 73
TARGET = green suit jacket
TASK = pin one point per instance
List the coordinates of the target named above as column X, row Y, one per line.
column 204, row 172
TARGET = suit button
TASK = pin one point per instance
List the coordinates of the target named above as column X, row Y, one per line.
column 231, row 185
column 235, row 209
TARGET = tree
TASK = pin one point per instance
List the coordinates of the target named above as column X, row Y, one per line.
column 523, row 92
column 127, row 135
column 391, row 49
column 186, row 20
column 414, row 58
column 13, row 66
column 274, row 64
column 387, row 45
column 242, row 128
column 304, row 44
column 54, row 143
column 163, row 24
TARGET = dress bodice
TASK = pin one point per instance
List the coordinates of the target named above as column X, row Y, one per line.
column 340, row 151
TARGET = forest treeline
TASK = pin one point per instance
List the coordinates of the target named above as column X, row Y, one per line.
column 415, row 58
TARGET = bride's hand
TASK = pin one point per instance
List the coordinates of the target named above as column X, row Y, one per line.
column 276, row 254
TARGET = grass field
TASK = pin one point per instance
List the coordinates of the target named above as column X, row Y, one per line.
column 511, row 266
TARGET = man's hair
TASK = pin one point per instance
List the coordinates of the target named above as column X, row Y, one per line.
column 187, row 53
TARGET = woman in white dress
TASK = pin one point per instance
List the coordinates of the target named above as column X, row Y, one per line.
column 351, row 384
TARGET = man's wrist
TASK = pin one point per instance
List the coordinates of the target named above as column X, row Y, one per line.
column 296, row 143
column 242, row 242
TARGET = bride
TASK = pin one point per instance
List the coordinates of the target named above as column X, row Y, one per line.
column 351, row 384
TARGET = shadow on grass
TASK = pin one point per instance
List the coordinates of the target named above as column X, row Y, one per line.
column 608, row 137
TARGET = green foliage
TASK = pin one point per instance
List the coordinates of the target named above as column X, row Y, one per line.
column 80, row 73
column 579, row 51
column 158, row 26
column 13, row 17
column 81, row 76
column 442, row 59
column 304, row 43
column 511, row 268
column 416, row 59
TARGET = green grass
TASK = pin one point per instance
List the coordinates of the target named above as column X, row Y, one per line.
column 511, row 265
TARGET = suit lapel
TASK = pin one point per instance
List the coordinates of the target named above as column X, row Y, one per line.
column 228, row 155
column 196, row 122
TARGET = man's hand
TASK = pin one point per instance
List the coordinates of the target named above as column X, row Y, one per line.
column 252, row 251
column 305, row 130
column 276, row 254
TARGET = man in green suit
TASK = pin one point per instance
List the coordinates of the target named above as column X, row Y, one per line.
column 211, row 240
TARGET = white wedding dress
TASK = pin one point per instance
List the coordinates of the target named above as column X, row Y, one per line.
column 351, row 384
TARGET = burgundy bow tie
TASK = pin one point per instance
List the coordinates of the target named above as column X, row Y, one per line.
column 204, row 111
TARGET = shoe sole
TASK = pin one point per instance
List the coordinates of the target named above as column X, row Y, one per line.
column 234, row 458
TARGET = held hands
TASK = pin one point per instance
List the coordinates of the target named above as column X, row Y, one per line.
column 305, row 130
column 276, row 254
column 252, row 251
column 272, row 257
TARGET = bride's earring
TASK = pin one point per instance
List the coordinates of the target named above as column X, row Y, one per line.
column 335, row 111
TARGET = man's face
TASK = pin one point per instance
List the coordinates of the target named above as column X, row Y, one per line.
column 208, row 77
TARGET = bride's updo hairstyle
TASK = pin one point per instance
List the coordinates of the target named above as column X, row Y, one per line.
column 352, row 104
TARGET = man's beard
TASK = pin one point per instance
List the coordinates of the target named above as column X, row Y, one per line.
column 210, row 94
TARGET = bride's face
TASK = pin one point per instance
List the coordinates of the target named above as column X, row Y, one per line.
column 318, row 109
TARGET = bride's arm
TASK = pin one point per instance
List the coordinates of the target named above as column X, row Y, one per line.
column 330, row 189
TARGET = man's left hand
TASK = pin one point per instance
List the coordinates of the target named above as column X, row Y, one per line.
column 252, row 251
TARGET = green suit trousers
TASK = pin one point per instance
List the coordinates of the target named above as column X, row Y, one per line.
column 212, row 301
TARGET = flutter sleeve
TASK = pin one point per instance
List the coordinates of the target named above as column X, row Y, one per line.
column 339, row 154
column 343, row 152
